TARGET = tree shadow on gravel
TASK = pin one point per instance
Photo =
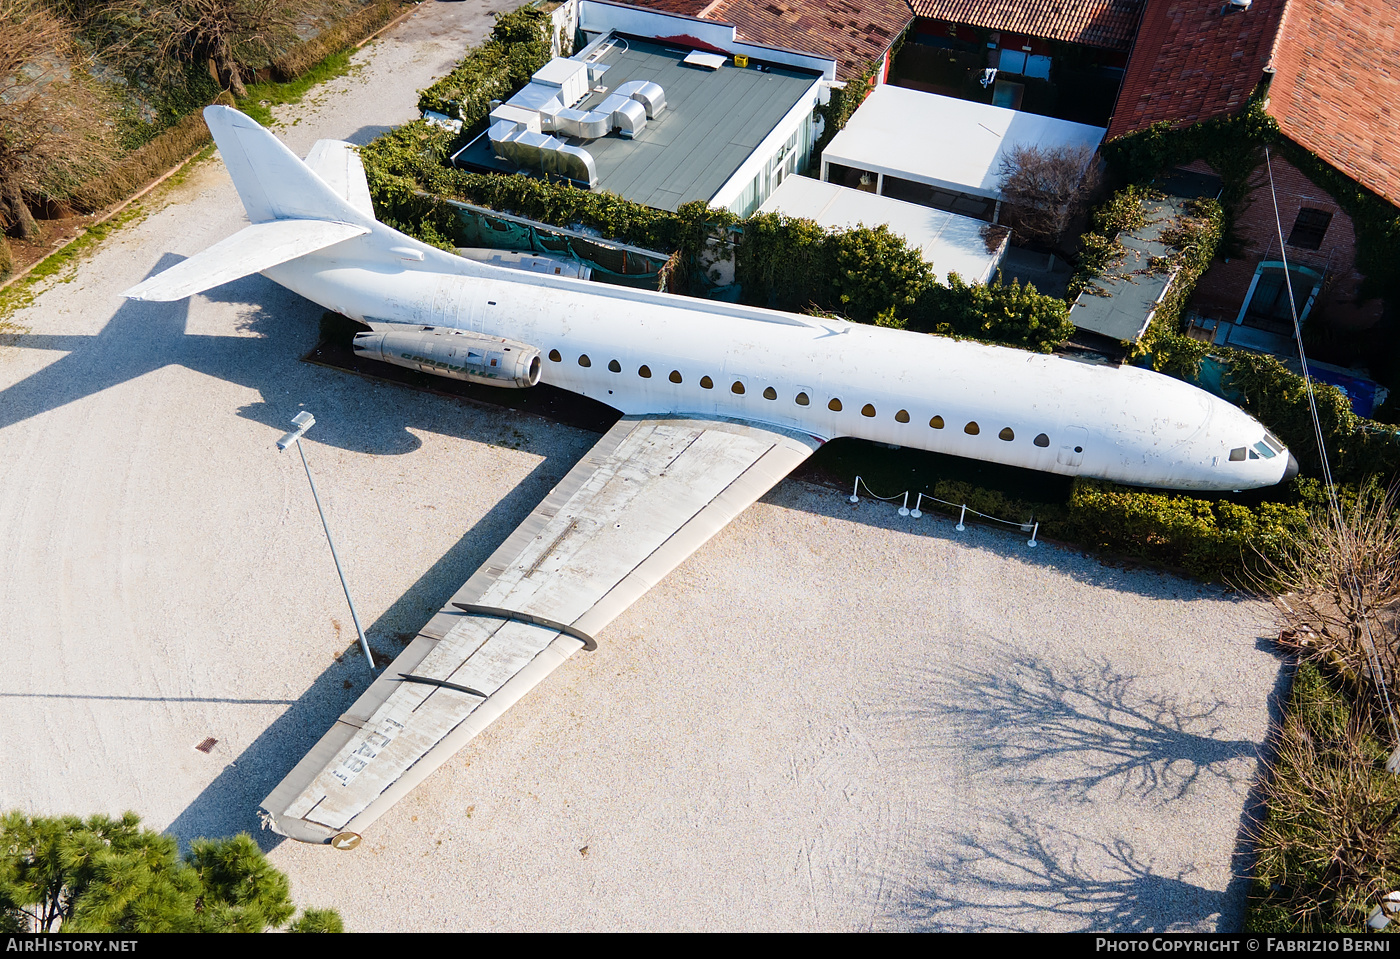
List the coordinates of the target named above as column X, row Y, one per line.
column 1073, row 732
column 1026, row 876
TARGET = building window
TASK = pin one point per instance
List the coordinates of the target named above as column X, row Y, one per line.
column 1309, row 229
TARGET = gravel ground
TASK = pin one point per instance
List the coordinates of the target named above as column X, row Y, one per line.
column 828, row 718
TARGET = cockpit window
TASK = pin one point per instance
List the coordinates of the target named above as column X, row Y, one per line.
column 1273, row 442
column 1237, row 454
column 1263, row 450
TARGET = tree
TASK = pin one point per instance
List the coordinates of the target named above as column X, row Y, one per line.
column 1046, row 188
column 53, row 128
column 67, row 874
column 226, row 33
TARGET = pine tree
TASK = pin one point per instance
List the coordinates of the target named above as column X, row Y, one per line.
column 67, row 874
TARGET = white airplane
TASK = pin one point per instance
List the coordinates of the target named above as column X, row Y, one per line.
column 719, row 403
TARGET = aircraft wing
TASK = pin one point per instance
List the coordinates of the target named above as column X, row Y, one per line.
column 643, row 499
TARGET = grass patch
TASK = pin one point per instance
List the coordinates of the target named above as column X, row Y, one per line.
column 21, row 293
column 262, row 97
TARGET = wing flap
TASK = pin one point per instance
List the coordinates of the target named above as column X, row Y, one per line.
column 250, row 250
column 643, row 499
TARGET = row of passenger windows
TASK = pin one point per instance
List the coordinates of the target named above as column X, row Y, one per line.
column 802, row 399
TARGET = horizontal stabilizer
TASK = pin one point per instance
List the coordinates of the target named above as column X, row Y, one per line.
column 251, row 250
column 337, row 163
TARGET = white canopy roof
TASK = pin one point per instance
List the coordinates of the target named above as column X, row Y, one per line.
column 948, row 242
column 952, row 144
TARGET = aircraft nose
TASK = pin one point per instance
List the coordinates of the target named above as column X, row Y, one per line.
column 1292, row 469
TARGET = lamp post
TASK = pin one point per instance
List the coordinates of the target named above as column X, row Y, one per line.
column 303, row 421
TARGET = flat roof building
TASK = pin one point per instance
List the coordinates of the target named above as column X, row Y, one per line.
column 940, row 151
column 948, row 242
column 726, row 127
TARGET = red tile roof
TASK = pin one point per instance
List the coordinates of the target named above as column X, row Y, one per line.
column 1192, row 62
column 854, row 34
column 1336, row 87
column 1108, row 24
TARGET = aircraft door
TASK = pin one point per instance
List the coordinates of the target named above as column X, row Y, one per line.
column 1072, row 447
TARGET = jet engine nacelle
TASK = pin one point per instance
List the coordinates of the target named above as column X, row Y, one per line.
column 489, row 360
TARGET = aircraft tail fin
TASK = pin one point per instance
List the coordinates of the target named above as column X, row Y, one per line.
column 272, row 181
column 296, row 207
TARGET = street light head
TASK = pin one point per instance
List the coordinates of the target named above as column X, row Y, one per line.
column 303, row 421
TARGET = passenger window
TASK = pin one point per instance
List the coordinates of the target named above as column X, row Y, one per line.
column 972, row 429
column 769, row 393
column 1007, row 435
column 675, row 376
column 867, row 410
column 584, row 360
column 1041, row 440
column 706, row 383
column 555, row 357
column 936, row 422
column 834, row 405
column 902, row 416
column 803, row 400
column 737, row 388
column 1237, row 454
column 615, row 366
column 644, row 372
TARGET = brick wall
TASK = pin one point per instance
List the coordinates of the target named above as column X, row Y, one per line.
column 1222, row 288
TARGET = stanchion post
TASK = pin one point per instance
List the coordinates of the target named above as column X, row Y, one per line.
column 917, row 503
column 962, row 516
column 1032, row 543
column 904, row 507
column 855, row 491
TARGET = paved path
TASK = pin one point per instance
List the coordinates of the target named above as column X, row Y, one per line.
column 829, row 718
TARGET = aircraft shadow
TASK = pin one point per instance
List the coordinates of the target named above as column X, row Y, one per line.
column 142, row 337
column 229, row 804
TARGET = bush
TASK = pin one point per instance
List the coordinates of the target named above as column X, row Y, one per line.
column 136, row 169
column 1012, row 315
column 518, row 46
column 1329, row 843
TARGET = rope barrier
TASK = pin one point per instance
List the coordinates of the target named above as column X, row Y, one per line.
column 1031, row 526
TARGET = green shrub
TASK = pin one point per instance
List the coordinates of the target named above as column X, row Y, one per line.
column 518, row 46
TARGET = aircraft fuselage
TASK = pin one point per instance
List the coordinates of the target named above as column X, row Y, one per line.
column 643, row 352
